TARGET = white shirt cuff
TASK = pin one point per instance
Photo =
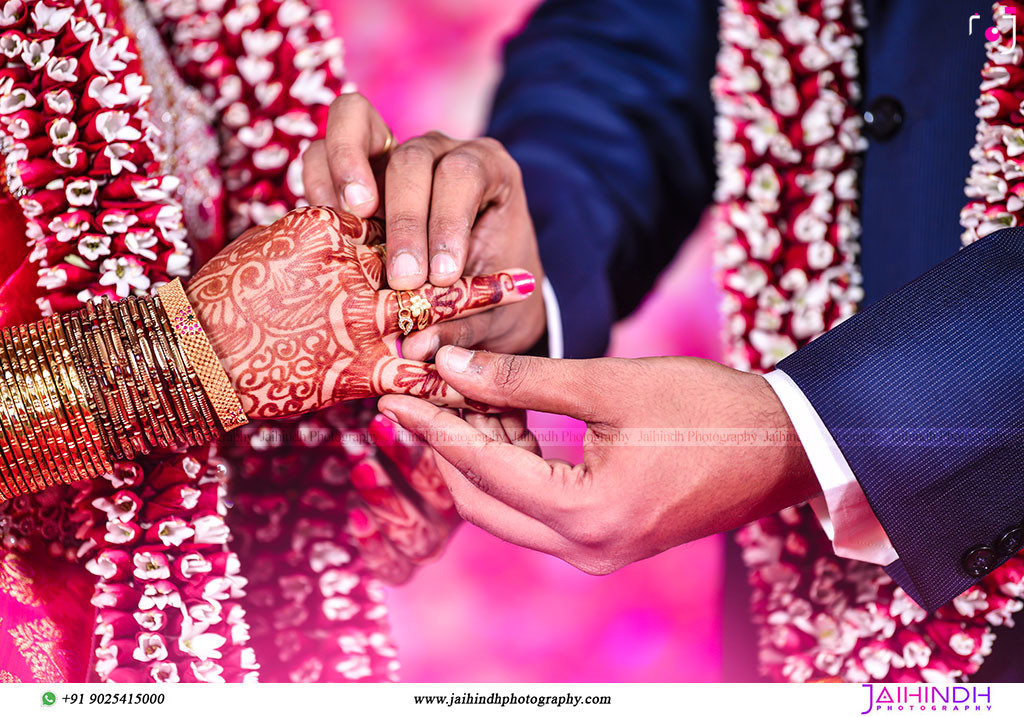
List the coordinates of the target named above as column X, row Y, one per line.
column 556, row 345
column 842, row 509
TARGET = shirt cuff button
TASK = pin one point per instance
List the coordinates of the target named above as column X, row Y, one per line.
column 979, row 561
column 1011, row 542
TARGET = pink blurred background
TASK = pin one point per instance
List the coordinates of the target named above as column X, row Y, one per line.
column 490, row 611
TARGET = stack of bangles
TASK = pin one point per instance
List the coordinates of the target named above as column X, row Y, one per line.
column 111, row 381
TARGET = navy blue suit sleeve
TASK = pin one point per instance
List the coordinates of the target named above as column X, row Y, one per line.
column 606, row 106
column 924, row 394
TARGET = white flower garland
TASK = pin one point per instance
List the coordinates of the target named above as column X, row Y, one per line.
column 788, row 140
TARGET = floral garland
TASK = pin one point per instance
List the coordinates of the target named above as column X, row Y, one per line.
column 84, row 159
column 788, row 140
column 310, row 603
column 994, row 187
column 79, row 149
column 271, row 70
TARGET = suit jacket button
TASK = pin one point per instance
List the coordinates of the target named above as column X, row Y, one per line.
column 1011, row 542
column 979, row 561
column 883, row 118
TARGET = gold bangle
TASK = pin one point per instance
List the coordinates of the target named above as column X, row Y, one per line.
column 13, row 454
column 17, row 440
column 143, row 393
column 193, row 399
column 73, row 332
column 91, row 436
column 157, row 369
column 59, row 423
column 69, row 398
column 142, row 361
column 201, row 355
column 186, row 427
column 40, row 462
column 122, row 372
column 120, row 429
column 44, row 408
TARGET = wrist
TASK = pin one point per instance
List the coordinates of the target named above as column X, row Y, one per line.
column 792, row 475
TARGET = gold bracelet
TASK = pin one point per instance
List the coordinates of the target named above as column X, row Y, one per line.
column 40, row 463
column 14, row 481
column 200, row 353
column 33, row 416
column 41, row 398
column 69, row 393
column 72, row 332
column 163, row 345
column 58, row 423
column 17, row 440
column 92, row 438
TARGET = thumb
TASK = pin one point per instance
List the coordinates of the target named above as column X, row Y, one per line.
column 568, row 387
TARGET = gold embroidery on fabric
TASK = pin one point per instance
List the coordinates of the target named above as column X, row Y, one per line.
column 17, row 580
column 7, row 677
column 38, row 641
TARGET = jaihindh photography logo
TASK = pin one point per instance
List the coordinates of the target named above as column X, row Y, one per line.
column 928, row 698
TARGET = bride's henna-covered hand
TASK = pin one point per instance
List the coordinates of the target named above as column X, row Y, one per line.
column 296, row 314
column 408, row 512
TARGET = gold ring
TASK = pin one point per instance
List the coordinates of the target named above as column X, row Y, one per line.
column 413, row 316
column 389, row 144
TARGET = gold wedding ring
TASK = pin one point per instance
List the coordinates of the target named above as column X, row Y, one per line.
column 413, row 316
column 389, row 144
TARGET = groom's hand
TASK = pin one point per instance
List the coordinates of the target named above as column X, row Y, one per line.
column 452, row 208
column 676, row 449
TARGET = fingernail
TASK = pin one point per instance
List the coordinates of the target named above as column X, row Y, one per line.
column 356, row 194
column 525, row 283
column 389, row 414
column 360, row 522
column 363, row 476
column 382, row 429
column 404, row 265
column 443, row 264
column 457, row 358
column 398, row 347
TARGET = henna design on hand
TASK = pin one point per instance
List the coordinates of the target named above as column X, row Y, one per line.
column 417, row 463
column 296, row 314
column 414, row 533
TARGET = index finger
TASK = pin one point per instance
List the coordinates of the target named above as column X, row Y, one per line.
column 513, row 475
column 355, row 134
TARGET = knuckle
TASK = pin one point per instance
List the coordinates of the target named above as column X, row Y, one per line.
column 349, row 102
column 446, row 231
column 405, row 225
column 597, row 529
column 594, row 565
column 464, row 334
column 589, row 535
column 314, row 150
column 436, row 136
column 510, row 373
column 491, row 146
column 416, row 151
column 506, row 167
column 460, row 163
column 475, row 479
